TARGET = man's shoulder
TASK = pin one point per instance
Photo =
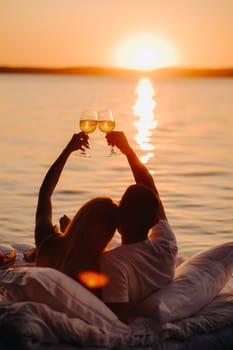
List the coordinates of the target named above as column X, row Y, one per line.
column 115, row 252
column 120, row 253
column 162, row 230
column 113, row 261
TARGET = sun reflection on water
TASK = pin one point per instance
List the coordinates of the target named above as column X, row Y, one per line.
column 144, row 111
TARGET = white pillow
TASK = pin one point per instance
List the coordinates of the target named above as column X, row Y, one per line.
column 59, row 291
column 217, row 314
column 197, row 281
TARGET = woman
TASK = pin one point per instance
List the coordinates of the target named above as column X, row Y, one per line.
column 85, row 237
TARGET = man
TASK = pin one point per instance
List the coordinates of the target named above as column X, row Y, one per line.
column 142, row 264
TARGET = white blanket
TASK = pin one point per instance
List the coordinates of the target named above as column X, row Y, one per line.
column 31, row 322
column 27, row 323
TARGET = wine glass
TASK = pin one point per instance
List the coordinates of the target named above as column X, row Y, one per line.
column 106, row 123
column 88, row 124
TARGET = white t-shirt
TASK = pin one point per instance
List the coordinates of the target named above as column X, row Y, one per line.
column 138, row 269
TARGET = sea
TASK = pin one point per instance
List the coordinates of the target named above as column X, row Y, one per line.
column 181, row 128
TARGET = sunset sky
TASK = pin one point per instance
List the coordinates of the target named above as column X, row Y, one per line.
column 137, row 34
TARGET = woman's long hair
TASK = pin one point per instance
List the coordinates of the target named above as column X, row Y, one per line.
column 87, row 235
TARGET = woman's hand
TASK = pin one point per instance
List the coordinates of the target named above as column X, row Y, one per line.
column 78, row 141
column 64, row 222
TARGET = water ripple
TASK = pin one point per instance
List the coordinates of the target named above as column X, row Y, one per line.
column 71, row 192
column 205, row 173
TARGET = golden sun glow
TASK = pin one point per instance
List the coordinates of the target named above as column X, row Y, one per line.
column 145, row 52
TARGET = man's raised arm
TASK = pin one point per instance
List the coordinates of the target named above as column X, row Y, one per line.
column 140, row 172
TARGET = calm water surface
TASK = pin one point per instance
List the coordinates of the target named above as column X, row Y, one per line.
column 181, row 128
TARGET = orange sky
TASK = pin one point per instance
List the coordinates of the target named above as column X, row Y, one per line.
column 99, row 32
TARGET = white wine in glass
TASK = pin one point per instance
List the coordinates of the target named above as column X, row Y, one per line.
column 106, row 123
column 88, row 124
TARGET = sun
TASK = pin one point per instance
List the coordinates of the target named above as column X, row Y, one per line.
column 145, row 52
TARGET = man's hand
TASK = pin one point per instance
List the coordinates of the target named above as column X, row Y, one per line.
column 118, row 138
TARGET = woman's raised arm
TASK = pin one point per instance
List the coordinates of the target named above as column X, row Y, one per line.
column 44, row 226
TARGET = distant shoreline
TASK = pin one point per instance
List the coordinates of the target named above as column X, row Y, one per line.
column 171, row 72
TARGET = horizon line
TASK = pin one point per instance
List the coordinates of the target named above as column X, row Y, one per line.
column 174, row 71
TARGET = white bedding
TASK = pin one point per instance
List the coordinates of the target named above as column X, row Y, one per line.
column 38, row 323
column 212, row 317
column 31, row 322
